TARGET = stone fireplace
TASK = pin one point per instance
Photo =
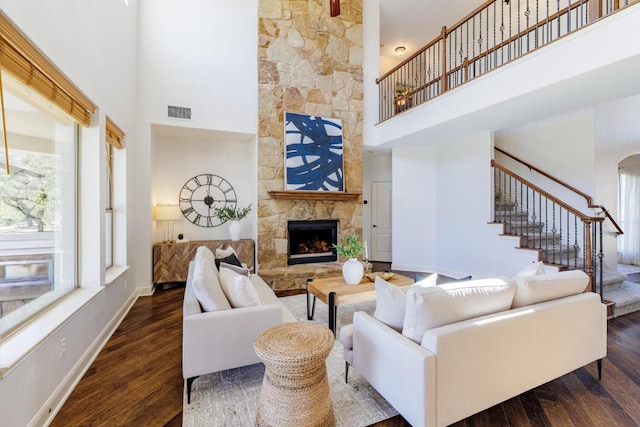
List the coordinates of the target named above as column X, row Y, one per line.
column 308, row 63
column 312, row 241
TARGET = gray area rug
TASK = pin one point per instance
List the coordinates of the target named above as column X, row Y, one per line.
column 230, row 398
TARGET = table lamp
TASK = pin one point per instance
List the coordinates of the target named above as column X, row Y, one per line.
column 168, row 214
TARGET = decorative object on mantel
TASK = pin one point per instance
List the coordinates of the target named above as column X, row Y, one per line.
column 168, row 214
column 233, row 215
column 313, row 153
column 201, row 197
column 351, row 247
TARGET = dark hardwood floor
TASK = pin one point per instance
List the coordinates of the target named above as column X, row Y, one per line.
column 136, row 380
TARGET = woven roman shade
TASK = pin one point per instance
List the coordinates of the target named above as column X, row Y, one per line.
column 114, row 135
column 20, row 58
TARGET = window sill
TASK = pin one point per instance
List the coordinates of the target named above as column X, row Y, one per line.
column 113, row 273
column 22, row 342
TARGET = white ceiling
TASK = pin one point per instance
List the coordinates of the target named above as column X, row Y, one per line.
column 414, row 23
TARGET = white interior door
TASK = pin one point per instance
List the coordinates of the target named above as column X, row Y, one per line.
column 381, row 221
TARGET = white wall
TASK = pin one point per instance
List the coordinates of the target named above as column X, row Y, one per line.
column 414, row 222
column 94, row 44
column 370, row 60
column 201, row 55
column 581, row 147
column 466, row 243
column 562, row 146
column 442, row 195
column 386, row 64
column 376, row 168
column 178, row 159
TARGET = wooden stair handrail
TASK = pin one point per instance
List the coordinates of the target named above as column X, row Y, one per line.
column 583, row 217
column 590, row 203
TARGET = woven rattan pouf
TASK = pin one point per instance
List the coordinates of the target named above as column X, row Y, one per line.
column 295, row 390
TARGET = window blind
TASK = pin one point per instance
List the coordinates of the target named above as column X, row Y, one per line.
column 114, row 135
column 20, row 58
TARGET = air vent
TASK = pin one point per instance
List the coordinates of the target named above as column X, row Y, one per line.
column 182, row 113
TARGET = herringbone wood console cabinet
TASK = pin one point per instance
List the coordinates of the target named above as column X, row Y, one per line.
column 171, row 260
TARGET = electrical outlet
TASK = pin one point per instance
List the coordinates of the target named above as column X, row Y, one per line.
column 62, row 347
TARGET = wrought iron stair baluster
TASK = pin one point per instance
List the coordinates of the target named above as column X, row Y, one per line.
column 545, row 230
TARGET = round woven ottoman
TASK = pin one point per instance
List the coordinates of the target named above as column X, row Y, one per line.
column 295, row 390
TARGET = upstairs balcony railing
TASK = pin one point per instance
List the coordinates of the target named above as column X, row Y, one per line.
column 494, row 34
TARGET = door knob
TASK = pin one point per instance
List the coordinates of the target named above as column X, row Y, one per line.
column 374, row 226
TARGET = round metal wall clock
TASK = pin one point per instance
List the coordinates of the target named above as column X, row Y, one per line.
column 203, row 193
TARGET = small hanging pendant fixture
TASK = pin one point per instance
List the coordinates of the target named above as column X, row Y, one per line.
column 334, row 8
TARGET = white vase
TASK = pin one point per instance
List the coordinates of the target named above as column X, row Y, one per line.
column 352, row 271
column 235, row 227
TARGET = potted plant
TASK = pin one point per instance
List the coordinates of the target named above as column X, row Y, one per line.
column 351, row 247
column 233, row 215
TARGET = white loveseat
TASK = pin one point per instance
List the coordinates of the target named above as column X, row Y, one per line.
column 223, row 339
column 461, row 368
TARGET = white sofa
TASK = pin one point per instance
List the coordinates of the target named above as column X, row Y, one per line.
column 223, row 339
column 462, row 368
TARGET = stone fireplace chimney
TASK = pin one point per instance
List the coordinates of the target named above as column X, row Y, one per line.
column 309, row 63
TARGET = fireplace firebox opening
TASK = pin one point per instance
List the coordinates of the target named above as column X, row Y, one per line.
column 312, row 241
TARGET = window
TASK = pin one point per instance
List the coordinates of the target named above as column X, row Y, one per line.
column 38, row 199
column 114, row 139
column 108, row 223
column 38, row 205
column 629, row 215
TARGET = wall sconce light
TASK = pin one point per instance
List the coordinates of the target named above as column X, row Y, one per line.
column 168, row 214
column 400, row 50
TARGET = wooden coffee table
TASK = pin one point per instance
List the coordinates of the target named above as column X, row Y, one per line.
column 334, row 292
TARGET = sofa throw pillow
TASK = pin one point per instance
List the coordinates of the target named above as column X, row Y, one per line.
column 206, row 286
column 239, row 289
column 535, row 289
column 391, row 300
column 240, row 270
column 204, row 251
column 533, row 269
column 223, row 253
column 430, row 307
column 231, row 259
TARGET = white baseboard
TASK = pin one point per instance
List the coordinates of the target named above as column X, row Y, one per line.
column 52, row 406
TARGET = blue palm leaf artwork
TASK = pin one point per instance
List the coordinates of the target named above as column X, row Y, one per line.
column 314, row 153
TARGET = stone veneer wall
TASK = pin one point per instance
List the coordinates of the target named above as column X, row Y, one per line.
column 308, row 63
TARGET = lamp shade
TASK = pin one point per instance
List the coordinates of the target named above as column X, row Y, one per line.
column 168, row 213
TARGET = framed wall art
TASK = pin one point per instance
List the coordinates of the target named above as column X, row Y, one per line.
column 313, row 153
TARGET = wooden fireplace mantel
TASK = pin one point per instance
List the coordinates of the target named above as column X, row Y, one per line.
column 313, row 195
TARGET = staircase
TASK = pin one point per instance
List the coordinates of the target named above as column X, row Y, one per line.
column 559, row 249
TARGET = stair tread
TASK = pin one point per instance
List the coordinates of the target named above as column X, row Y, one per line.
column 626, row 298
column 612, row 277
